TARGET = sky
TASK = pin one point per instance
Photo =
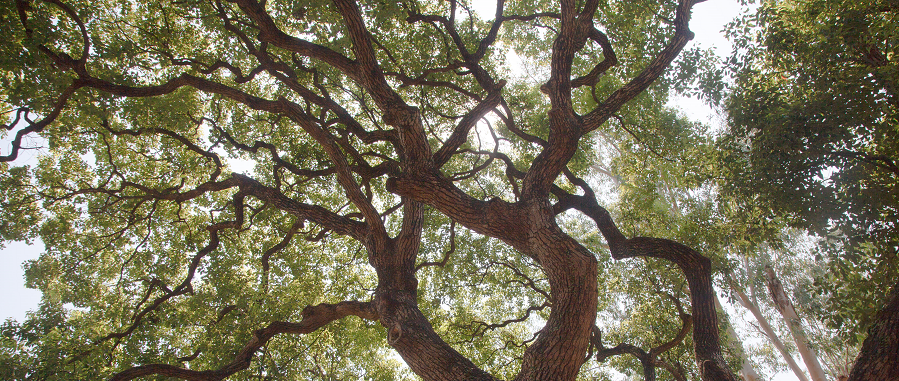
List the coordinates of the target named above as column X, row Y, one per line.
column 707, row 22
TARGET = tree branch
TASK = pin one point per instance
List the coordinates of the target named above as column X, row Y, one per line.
column 314, row 317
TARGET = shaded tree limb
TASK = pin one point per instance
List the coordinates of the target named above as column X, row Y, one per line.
column 641, row 82
column 696, row 268
column 649, row 360
column 314, row 317
column 877, row 359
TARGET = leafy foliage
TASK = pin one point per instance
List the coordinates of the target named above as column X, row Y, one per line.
column 326, row 190
column 813, row 137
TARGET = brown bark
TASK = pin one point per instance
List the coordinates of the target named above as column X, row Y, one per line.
column 696, row 268
column 527, row 225
column 560, row 348
column 530, row 227
column 878, row 359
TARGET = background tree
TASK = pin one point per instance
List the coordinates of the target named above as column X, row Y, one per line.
column 399, row 175
column 812, row 138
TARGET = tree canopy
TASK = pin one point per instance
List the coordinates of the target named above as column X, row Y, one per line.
column 315, row 190
column 812, row 139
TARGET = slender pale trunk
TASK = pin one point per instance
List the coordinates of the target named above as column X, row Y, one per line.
column 747, row 303
column 747, row 372
column 785, row 307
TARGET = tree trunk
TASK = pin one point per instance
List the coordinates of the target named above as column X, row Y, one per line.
column 747, row 303
column 785, row 307
column 529, row 226
column 879, row 357
column 747, row 372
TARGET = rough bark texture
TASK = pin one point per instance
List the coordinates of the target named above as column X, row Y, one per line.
column 528, row 224
column 696, row 268
column 879, row 357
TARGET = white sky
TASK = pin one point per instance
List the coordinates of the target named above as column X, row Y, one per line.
column 708, row 20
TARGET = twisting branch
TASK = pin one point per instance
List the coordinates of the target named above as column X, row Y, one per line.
column 649, row 360
column 314, row 317
column 448, row 252
column 480, row 328
column 288, row 236
column 656, row 68
column 696, row 268
column 330, row 220
column 22, row 114
column 460, row 133
column 528, row 282
column 882, row 161
column 269, row 32
column 421, row 80
column 609, row 60
column 185, row 286
column 179, row 138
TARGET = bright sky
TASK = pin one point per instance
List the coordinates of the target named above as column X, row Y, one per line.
column 708, row 20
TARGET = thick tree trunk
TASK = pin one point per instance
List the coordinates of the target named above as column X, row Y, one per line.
column 561, row 347
column 396, row 300
column 879, row 357
column 529, row 226
column 785, row 307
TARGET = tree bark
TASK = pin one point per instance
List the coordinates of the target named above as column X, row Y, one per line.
column 530, row 227
column 785, row 307
column 879, row 357
column 695, row 267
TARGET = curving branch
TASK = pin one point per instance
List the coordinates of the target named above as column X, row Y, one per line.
column 185, row 287
column 649, row 360
column 208, row 154
column 682, row 35
column 609, row 60
column 447, row 254
column 480, row 328
column 22, row 114
column 695, row 267
column 460, row 133
column 270, row 33
column 330, row 220
column 314, row 317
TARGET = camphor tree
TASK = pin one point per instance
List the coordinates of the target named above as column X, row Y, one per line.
column 401, row 175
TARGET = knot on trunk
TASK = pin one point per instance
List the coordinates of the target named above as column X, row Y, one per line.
column 395, row 333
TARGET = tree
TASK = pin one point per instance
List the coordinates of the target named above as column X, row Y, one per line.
column 385, row 146
column 812, row 138
column 791, row 318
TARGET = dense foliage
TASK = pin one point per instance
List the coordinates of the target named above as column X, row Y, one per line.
column 373, row 190
column 813, row 139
